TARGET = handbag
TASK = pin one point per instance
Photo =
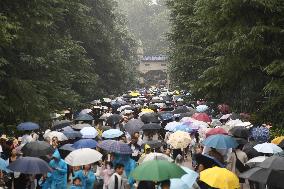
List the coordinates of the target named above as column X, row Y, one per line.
column 240, row 166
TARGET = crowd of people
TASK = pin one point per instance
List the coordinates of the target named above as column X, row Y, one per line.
column 142, row 126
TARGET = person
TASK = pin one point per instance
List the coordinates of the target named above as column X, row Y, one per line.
column 146, row 184
column 45, row 181
column 14, row 176
column 116, row 181
column 77, row 184
column 106, row 172
column 166, row 184
column 54, row 142
column 59, row 173
column 218, row 156
column 135, row 147
column 87, row 177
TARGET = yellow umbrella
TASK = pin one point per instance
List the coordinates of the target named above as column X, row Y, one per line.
column 134, row 94
column 179, row 140
column 277, row 140
column 147, row 110
column 220, row 178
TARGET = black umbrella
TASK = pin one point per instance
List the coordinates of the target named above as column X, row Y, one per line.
column 154, row 144
column 134, row 125
column 150, row 118
column 37, row 149
column 59, row 124
column 240, row 132
column 113, row 120
column 207, row 161
column 273, row 162
column 250, row 151
column 84, row 117
column 151, row 126
column 180, row 110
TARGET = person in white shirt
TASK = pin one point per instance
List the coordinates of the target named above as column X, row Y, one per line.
column 116, row 181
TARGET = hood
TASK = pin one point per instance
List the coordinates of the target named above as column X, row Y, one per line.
column 56, row 154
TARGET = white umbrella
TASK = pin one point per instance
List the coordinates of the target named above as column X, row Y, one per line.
column 233, row 123
column 105, row 116
column 256, row 160
column 268, row 148
column 156, row 156
column 67, row 128
column 85, row 111
column 226, row 116
column 83, row 156
column 81, row 126
column 89, row 132
column 60, row 136
column 172, row 125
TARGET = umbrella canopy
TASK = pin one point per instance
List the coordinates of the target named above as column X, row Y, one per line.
column 85, row 143
column 30, row 165
column 113, row 120
column 240, row 132
column 133, row 125
column 37, row 149
column 151, row 126
column 154, row 144
column 260, row 134
column 150, row 118
column 201, row 108
column 157, row 170
column 277, row 140
column 89, row 132
column 219, row 178
column 190, row 177
column 267, row 148
column 81, row 126
column 180, row 110
column 72, row 134
column 207, row 161
column 60, row 136
column 178, row 184
column 220, row 142
column 85, row 111
column 215, row 131
column 27, row 126
column 202, row 117
column 179, row 140
column 4, row 165
column 112, row 133
column 156, row 156
column 172, row 125
column 183, row 127
column 115, row 146
column 83, row 156
column 273, row 162
column 59, row 124
column 250, row 151
column 256, row 161
column 67, row 147
column 165, row 116
column 84, row 117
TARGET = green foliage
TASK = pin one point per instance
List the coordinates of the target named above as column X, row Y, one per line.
column 230, row 51
column 56, row 54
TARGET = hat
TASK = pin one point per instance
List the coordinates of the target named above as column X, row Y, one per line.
column 4, row 137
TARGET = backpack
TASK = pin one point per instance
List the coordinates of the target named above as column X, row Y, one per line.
column 240, row 166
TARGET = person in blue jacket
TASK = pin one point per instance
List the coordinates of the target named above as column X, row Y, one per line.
column 77, row 184
column 45, row 181
column 87, row 177
column 59, row 173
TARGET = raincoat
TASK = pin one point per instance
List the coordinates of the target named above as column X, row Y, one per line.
column 76, row 187
column 59, row 175
column 45, row 184
column 88, row 180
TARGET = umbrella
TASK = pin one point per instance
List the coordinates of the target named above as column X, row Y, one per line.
column 72, row 134
column 67, row 128
column 89, row 132
column 220, row 142
column 84, row 117
column 202, row 117
column 133, row 125
column 256, row 161
column 219, row 178
column 184, row 128
column 225, row 117
column 59, row 124
column 277, row 140
column 85, row 111
column 260, row 134
column 67, row 147
column 27, row 126
column 147, row 110
column 150, row 118
column 207, row 161
column 157, row 170
column 179, row 140
column 281, row 145
column 156, row 156
column 4, row 165
column 178, row 184
column 273, row 162
column 112, row 133
column 85, row 143
column 115, row 146
column 165, row 116
column 201, row 108
column 151, row 126
column 215, row 131
column 37, row 149
column 81, row 126
column 29, row 165
column 180, row 110
column 113, row 120
column 83, row 156
column 268, row 148
column 250, row 151
column 60, row 136
column 187, row 114
column 190, row 177
column 172, row 125
column 105, row 116
column 240, row 132
column 154, row 144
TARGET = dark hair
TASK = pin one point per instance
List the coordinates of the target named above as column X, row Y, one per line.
column 76, row 178
column 119, row 166
column 165, row 183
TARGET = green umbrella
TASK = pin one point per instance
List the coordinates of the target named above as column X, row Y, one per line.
column 157, row 170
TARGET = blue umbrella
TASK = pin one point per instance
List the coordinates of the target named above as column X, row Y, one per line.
column 112, row 133
column 202, row 108
column 3, row 165
column 260, row 134
column 27, row 126
column 166, row 116
column 190, row 177
column 85, row 143
column 84, row 117
column 67, row 147
column 72, row 134
column 115, row 146
column 182, row 127
column 220, row 142
column 30, row 165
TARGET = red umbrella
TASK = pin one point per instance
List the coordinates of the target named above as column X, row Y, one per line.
column 202, row 117
column 216, row 131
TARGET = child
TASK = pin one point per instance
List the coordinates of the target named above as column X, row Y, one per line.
column 106, row 172
column 77, row 184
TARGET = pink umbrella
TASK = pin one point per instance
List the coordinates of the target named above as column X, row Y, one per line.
column 216, row 131
column 202, row 117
